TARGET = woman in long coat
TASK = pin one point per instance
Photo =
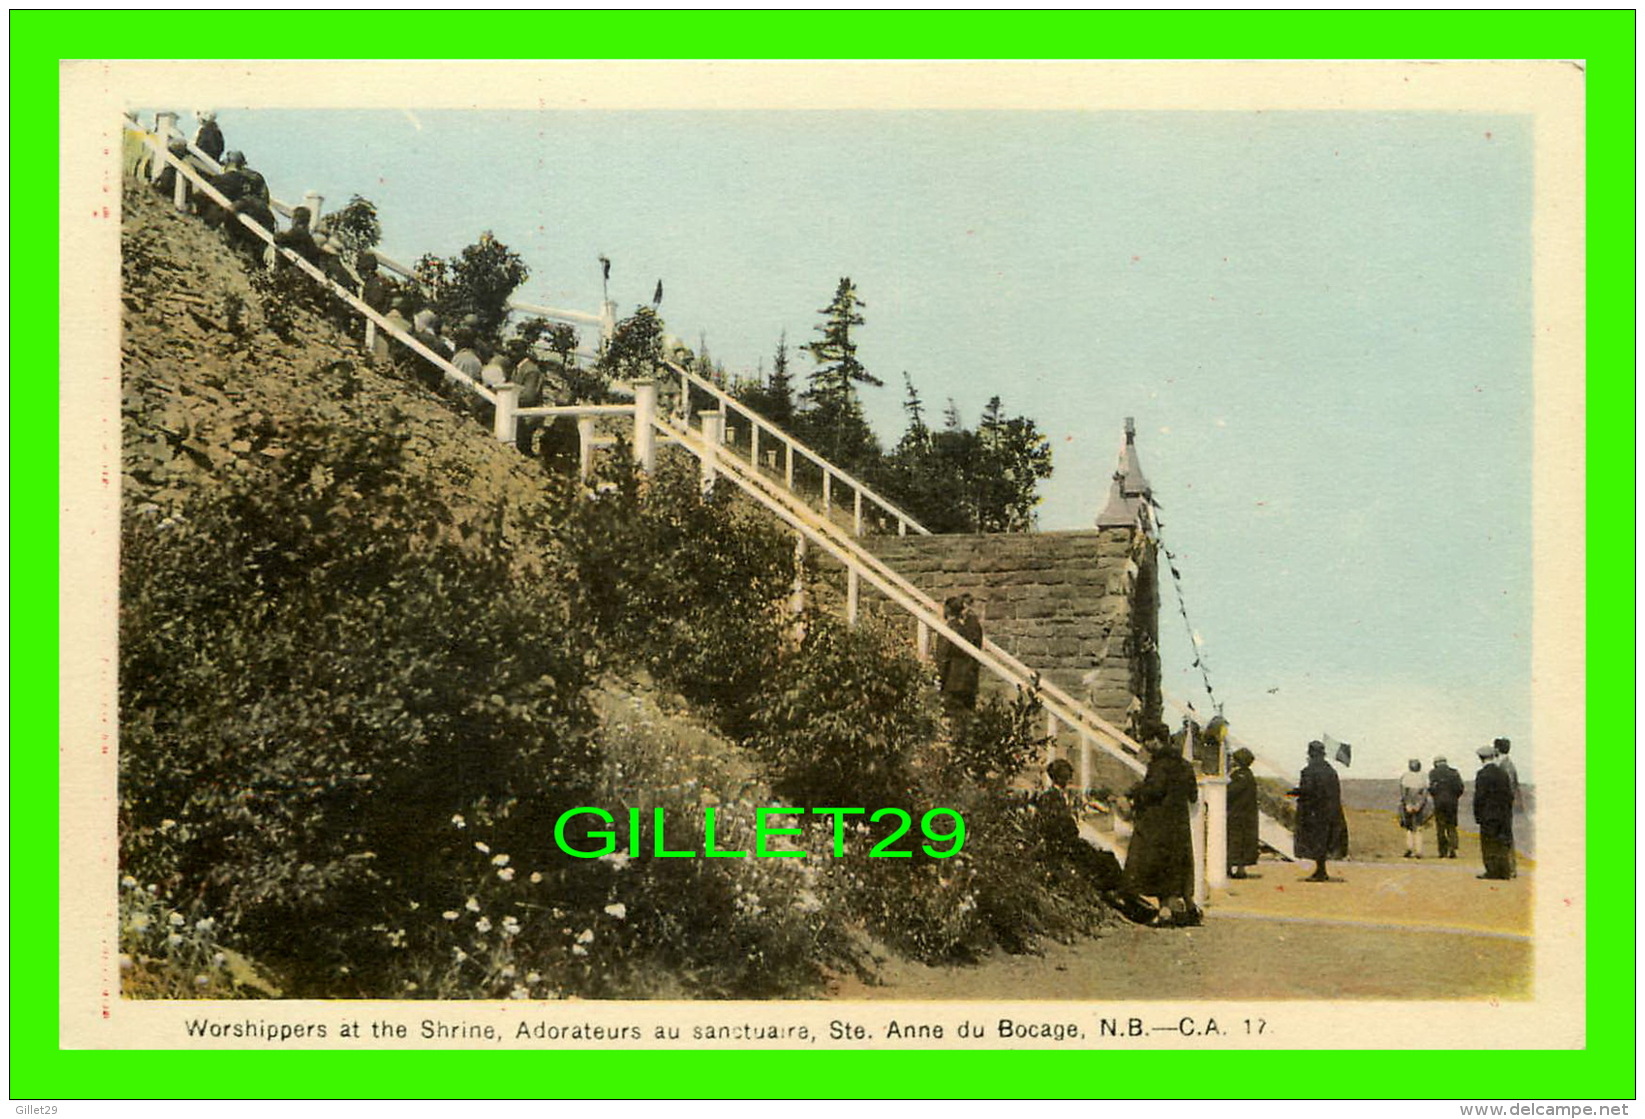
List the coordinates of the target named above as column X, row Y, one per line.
column 1243, row 845
column 1322, row 829
column 1160, row 861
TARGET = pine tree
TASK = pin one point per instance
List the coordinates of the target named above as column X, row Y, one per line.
column 835, row 420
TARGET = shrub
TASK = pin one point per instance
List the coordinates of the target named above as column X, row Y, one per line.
column 307, row 696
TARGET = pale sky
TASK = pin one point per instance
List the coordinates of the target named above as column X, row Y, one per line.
column 1321, row 322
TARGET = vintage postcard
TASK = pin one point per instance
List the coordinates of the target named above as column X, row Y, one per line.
column 839, row 555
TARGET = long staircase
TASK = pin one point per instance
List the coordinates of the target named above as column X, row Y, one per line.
column 833, row 518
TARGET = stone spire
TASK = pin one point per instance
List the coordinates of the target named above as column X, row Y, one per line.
column 1129, row 491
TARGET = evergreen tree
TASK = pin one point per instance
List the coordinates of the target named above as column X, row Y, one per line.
column 835, row 420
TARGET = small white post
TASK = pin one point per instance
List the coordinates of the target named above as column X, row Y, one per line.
column 856, row 512
column 1085, row 760
column 902, row 527
column 312, row 200
column 1214, row 791
column 922, row 640
column 828, row 479
column 852, row 593
column 754, row 442
column 713, row 422
column 165, row 127
column 585, row 447
column 645, row 433
column 1202, row 890
column 371, row 335
column 796, row 601
column 507, row 425
column 179, row 191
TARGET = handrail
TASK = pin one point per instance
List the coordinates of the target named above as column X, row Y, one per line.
column 352, row 300
column 285, row 209
column 864, row 564
column 727, row 401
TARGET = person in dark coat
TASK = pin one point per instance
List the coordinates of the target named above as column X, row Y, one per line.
column 1243, row 844
column 1322, row 829
column 299, row 239
column 957, row 672
column 1160, row 861
column 209, row 138
column 1494, row 813
column 1445, row 787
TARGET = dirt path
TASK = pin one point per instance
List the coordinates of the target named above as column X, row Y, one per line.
column 1278, row 937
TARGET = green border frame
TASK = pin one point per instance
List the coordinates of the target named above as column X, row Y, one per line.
column 1604, row 1070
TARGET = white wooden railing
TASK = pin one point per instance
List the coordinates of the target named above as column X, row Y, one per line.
column 1062, row 710
column 166, row 131
column 707, row 442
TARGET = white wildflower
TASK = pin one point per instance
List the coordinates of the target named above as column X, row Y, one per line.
column 578, row 950
column 451, row 914
column 533, row 977
column 617, row 910
column 177, row 919
column 483, row 925
column 585, row 937
column 481, row 847
column 459, row 821
column 506, row 874
column 519, row 992
column 499, row 860
column 511, row 926
column 174, row 940
column 472, row 905
column 129, row 882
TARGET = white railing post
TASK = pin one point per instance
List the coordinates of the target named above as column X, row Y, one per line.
column 754, row 442
column 179, row 191
column 165, row 127
column 796, row 600
column 852, row 593
column 1214, row 791
column 902, row 527
column 828, row 489
column 313, row 201
column 856, row 512
column 713, row 424
column 1085, row 760
column 922, row 640
column 507, row 424
column 645, row 435
column 585, row 447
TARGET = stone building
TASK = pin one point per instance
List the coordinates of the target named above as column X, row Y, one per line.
column 1081, row 608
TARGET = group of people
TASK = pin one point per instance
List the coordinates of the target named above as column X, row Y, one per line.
column 1159, row 863
column 1438, row 796
column 467, row 347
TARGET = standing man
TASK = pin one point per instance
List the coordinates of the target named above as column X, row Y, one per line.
column 529, row 376
column 1322, row 829
column 1494, row 813
column 1445, row 787
column 1505, row 764
column 957, row 672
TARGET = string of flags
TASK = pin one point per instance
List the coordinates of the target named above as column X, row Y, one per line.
column 1195, row 641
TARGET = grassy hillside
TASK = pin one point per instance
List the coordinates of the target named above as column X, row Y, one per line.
column 369, row 656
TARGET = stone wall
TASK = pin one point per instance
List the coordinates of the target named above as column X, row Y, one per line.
column 1082, row 608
